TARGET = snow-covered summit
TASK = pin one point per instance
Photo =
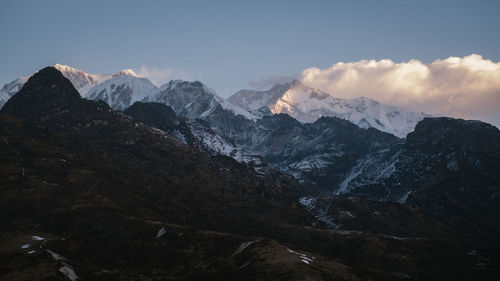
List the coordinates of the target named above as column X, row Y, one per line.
column 307, row 104
column 81, row 80
column 120, row 92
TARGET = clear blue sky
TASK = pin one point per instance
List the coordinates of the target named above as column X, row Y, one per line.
column 227, row 44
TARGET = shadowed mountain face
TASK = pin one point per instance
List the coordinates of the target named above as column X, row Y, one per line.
column 90, row 192
column 451, row 169
column 154, row 114
column 195, row 133
column 331, row 153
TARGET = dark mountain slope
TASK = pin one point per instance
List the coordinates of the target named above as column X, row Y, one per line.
column 197, row 134
column 74, row 168
column 162, row 117
column 450, row 167
column 154, row 114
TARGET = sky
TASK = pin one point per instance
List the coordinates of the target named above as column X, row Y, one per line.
column 233, row 45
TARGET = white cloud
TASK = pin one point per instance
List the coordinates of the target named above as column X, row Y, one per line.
column 160, row 76
column 467, row 87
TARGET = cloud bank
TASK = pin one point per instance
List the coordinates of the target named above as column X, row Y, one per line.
column 160, row 76
column 467, row 87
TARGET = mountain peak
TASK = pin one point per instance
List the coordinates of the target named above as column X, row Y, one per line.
column 46, row 87
column 65, row 68
column 49, row 78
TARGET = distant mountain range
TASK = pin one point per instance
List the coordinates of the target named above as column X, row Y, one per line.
column 307, row 105
column 120, row 90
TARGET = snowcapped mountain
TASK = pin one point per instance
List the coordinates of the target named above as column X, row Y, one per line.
column 120, row 92
column 307, row 105
column 81, row 80
column 188, row 99
column 9, row 89
column 193, row 100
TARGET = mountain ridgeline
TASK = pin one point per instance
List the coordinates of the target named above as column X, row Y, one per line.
column 180, row 184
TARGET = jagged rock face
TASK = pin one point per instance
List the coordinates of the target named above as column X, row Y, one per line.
column 161, row 116
column 196, row 133
column 193, row 100
column 187, row 99
column 253, row 100
column 323, row 152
